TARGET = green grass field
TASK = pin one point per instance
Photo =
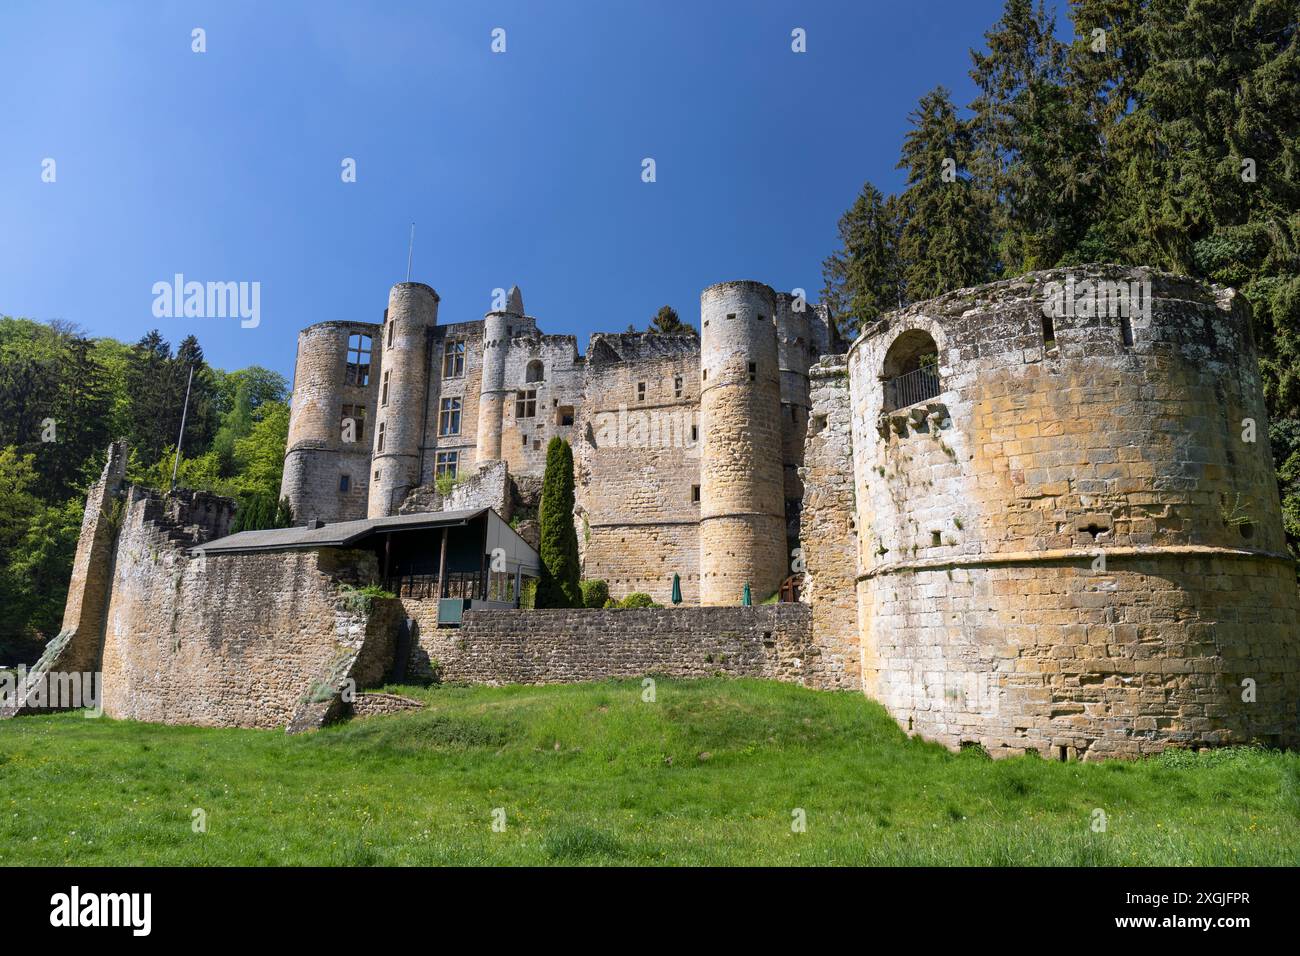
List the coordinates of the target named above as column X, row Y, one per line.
column 712, row 772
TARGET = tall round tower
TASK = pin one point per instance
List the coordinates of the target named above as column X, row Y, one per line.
column 327, row 455
column 497, row 329
column 402, row 414
column 742, row 501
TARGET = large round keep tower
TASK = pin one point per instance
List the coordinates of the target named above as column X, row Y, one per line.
column 742, row 501
column 497, row 330
column 1070, row 538
column 327, row 455
column 402, row 413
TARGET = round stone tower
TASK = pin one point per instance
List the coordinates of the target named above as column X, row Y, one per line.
column 1070, row 538
column 325, row 464
column 402, row 413
column 497, row 330
column 742, row 500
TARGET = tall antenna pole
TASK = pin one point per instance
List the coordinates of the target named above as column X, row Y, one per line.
column 176, row 464
column 410, row 251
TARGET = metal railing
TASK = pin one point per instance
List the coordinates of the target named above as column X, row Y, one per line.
column 466, row 585
column 911, row 388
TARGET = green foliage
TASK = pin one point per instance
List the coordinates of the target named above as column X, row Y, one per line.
column 1163, row 134
column 558, row 586
column 445, row 483
column 258, row 512
column 668, row 322
column 37, row 544
column 594, row 593
column 945, row 242
column 596, row 775
column 862, row 278
column 638, row 599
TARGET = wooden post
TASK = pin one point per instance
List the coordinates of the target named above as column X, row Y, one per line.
column 442, row 562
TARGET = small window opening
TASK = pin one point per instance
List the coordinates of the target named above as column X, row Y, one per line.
column 1126, row 331
column 753, row 371
column 695, row 493
column 1049, row 333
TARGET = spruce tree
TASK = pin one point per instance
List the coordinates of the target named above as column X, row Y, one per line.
column 1033, row 142
column 945, row 242
column 668, row 322
column 861, row 278
column 558, row 586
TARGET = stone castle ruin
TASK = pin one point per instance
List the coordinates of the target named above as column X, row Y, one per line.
column 1037, row 515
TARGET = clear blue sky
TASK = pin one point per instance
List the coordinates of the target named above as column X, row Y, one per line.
column 522, row 167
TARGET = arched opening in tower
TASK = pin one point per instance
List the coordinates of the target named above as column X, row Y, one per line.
column 911, row 370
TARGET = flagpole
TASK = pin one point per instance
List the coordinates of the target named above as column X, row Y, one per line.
column 181, row 437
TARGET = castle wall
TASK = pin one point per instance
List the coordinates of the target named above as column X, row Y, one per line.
column 524, row 439
column 566, row 646
column 795, row 351
column 236, row 640
column 637, row 462
column 465, row 386
column 316, row 454
column 742, row 513
column 1052, row 554
column 828, row 542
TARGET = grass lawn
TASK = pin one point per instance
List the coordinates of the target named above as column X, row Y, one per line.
column 710, row 773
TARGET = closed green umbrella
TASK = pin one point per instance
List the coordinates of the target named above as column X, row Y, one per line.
column 746, row 599
column 677, row 588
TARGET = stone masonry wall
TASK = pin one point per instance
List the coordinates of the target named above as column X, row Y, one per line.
column 636, row 463
column 237, row 640
column 566, row 646
column 829, row 539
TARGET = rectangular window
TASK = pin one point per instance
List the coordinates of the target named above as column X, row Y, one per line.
column 677, row 386
column 353, row 425
column 383, row 392
column 358, row 367
column 1049, row 333
column 564, row 416
column 695, row 493
column 449, row 417
column 1126, row 331
column 390, row 334
column 345, row 483
column 695, row 433
column 753, row 371
column 640, row 391
column 446, row 463
column 380, row 445
column 526, row 403
column 453, row 359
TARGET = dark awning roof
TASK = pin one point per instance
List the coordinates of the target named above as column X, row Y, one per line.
column 336, row 535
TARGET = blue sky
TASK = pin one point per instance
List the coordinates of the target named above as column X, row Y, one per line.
column 522, row 167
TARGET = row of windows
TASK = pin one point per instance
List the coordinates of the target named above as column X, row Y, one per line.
column 357, row 370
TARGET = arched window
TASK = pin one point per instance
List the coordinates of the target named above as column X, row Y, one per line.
column 535, row 372
column 911, row 370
